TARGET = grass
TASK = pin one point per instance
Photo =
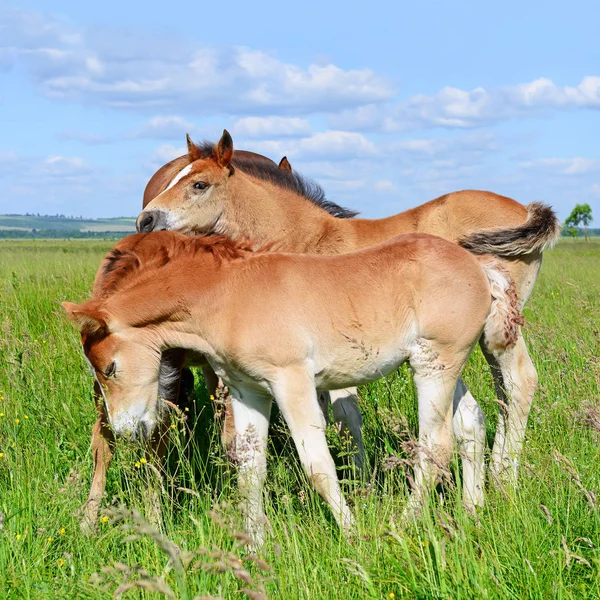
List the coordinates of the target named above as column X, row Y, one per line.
column 539, row 541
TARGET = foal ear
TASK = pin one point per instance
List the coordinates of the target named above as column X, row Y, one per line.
column 224, row 150
column 284, row 165
column 86, row 319
column 194, row 153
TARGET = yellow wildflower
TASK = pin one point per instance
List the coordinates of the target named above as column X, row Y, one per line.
column 104, row 519
column 17, row 421
column 13, row 444
column 138, row 464
column 18, row 536
column 173, row 426
column 61, row 562
column 187, row 409
column 212, row 397
column 26, row 416
column 2, row 414
column 50, row 540
column 392, row 595
column 1, row 454
column 143, row 461
column 62, row 531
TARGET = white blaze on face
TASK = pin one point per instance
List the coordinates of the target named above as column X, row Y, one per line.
column 185, row 171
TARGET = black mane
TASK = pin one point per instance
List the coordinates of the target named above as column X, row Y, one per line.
column 267, row 170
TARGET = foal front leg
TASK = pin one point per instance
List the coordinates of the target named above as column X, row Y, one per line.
column 103, row 448
column 251, row 412
column 297, row 399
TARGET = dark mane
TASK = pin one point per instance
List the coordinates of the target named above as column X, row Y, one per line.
column 289, row 180
column 148, row 252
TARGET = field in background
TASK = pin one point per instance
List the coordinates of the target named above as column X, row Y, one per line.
column 59, row 226
column 541, row 541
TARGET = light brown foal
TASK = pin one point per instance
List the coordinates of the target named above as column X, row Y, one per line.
column 282, row 325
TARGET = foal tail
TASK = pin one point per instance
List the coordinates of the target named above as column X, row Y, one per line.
column 540, row 231
column 501, row 329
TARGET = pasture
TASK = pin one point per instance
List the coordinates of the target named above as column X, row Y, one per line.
column 540, row 541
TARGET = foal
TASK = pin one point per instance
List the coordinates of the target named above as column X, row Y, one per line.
column 283, row 325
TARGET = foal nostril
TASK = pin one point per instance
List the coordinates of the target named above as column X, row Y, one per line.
column 146, row 222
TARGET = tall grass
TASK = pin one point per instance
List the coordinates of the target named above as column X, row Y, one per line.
column 540, row 541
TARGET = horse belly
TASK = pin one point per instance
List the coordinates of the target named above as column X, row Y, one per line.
column 358, row 367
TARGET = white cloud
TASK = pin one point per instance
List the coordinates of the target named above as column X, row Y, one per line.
column 263, row 127
column 455, row 108
column 564, row 166
column 129, row 74
column 163, row 154
column 164, row 127
column 326, row 145
column 384, row 186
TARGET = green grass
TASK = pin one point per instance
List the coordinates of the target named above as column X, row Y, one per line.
column 541, row 541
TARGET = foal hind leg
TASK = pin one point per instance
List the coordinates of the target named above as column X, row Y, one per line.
column 436, row 385
column 346, row 415
column 468, row 424
column 515, row 379
column 297, row 400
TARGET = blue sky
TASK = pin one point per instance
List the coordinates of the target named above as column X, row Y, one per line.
column 386, row 104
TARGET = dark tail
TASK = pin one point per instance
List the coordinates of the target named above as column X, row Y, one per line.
column 540, row 231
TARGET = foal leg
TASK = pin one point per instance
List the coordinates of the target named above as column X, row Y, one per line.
column 297, row 399
column 155, row 454
column 251, row 411
column 515, row 379
column 435, row 391
column 347, row 415
column 103, row 449
column 468, row 424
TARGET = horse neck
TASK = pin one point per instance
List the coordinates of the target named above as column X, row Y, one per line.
column 268, row 214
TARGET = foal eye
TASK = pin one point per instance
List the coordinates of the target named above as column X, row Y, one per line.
column 112, row 368
column 200, row 185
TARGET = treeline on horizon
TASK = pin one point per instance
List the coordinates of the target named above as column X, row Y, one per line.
column 61, row 234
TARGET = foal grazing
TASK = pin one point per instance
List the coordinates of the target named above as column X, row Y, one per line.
column 422, row 299
column 211, row 194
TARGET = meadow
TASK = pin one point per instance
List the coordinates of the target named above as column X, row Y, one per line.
column 538, row 541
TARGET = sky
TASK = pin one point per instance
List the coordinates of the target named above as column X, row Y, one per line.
column 385, row 104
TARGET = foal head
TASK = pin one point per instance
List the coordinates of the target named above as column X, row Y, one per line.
column 194, row 199
column 126, row 366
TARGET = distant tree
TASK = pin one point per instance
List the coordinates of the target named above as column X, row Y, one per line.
column 580, row 215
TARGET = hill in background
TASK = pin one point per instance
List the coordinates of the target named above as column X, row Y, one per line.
column 34, row 226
